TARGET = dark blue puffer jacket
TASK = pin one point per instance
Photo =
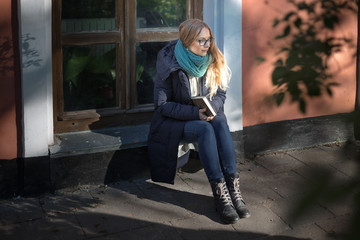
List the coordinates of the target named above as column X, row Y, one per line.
column 173, row 107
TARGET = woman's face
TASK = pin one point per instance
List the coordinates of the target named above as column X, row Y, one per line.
column 195, row 46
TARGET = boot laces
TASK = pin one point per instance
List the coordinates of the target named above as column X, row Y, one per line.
column 223, row 192
column 236, row 190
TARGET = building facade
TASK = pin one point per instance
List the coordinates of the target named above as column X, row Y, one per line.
column 77, row 78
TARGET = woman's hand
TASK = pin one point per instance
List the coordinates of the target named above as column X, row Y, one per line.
column 203, row 116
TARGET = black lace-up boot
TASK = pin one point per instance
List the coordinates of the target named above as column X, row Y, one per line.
column 223, row 201
column 233, row 184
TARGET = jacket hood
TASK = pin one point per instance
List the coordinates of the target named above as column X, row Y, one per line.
column 166, row 61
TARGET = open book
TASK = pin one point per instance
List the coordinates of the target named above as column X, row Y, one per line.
column 203, row 102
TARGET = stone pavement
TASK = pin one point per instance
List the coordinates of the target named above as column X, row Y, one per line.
column 272, row 184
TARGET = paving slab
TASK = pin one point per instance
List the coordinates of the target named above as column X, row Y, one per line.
column 138, row 208
column 335, row 226
column 315, row 156
column 255, row 190
column 106, row 221
column 114, row 214
column 197, row 181
column 345, row 205
column 18, row 210
column 312, row 231
column 67, row 202
column 43, row 229
column 154, row 231
column 347, row 158
column 279, row 162
column 254, row 169
column 284, row 207
column 286, row 184
column 203, row 228
column 262, row 221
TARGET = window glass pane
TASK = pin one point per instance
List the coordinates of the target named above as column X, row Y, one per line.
column 160, row 13
column 89, row 77
column 87, row 15
column 146, row 70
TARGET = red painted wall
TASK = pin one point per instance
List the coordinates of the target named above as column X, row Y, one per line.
column 258, row 41
column 8, row 82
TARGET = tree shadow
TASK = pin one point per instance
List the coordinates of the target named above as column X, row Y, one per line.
column 324, row 186
column 82, row 216
column 301, row 71
column 6, row 56
column 191, row 201
column 30, row 55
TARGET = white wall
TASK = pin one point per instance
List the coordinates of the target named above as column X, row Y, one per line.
column 224, row 18
column 35, row 31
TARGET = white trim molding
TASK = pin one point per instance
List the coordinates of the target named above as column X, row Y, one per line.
column 227, row 29
column 36, row 75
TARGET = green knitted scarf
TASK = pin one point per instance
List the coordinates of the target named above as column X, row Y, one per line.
column 193, row 64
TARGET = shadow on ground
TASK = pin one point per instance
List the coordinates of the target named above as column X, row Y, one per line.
column 73, row 217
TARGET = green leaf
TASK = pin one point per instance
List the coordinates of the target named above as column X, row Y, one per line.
column 139, row 72
column 74, row 67
column 102, row 64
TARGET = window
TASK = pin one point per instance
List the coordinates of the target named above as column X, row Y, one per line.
column 104, row 54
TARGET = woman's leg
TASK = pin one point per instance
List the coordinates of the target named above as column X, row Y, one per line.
column 203, row 133
column 228, row 162
column 225, row 144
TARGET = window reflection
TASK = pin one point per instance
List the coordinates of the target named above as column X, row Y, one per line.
column 160, row 13
column 87, row 15
column 89, row 78
column 146, row 54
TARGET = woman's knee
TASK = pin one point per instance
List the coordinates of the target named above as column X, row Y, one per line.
column 206, row 128
column 199, row 128
column 220, row 124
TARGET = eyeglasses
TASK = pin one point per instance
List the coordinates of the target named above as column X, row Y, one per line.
column 203, row 42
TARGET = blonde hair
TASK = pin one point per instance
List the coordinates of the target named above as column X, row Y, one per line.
column 218, row 74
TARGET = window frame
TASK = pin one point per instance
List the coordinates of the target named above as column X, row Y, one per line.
column 125, row 37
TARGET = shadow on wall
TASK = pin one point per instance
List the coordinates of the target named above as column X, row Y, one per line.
column 6, row 56
column 302, row 70
column 30, row 55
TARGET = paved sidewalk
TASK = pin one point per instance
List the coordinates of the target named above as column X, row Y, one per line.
column 142, row 209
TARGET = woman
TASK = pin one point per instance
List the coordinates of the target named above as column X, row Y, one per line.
column 188, row 67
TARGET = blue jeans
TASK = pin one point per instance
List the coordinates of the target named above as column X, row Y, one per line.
column 216, row 147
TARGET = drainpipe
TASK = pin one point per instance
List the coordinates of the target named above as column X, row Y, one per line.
column 357, row 99
column 18, row 95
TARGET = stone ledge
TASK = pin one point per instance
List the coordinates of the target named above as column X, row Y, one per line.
column 94, row 141
column 297, row 133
